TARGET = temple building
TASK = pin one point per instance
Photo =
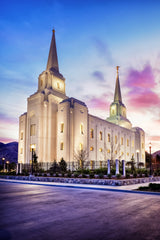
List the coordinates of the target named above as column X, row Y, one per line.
column 57, row 126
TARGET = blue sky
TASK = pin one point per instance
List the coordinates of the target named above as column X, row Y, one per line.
column 92, row 38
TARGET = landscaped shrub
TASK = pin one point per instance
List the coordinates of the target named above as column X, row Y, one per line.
column 118, row 175
column 91, row 174
column 76, row 174
column 134, row 174
column 101, row 175
column 109, row 175
column 113, row 171
column 84, row 175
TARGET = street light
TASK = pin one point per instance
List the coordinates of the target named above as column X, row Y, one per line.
column 150, row 145
column 7, row 162
column 3, row 161
column 137, row 157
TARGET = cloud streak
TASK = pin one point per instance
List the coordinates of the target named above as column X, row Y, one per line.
column 142, row 85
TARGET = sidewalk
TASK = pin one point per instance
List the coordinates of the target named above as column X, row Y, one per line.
column 127, row 188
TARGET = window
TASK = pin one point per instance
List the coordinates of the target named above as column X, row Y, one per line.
column 116, row 152
column 122, row 153
column 109, row 137
column 81, row 129
column 41, row 82
column 61, row 146
column 100, row 135
column 21, row 151
column 33, row 130
column 142, row 145
column 91, row 133
column 100, row 164
column 80, row 146
column 121, row 140
column 127, row 142
column 58, row 85
column 115, row 139
column 21, row 135
column 142, row 156
column 62, row 127
column 132, row 143
column 91, row 148
column 113, row 112
column 91, row 164
column 100, row 150
column 127, row 154
column 108, row 150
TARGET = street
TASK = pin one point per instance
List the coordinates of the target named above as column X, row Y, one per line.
column 48, row 212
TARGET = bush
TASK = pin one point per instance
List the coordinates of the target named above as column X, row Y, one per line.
column 113, row 171
column 76, row 174
column 84, row 175
column 134, row 174
column 101, row 175
column 91, row 174
column 63, row 165
column 109, row 175
column 69, row 174
column 127, row 175
column 118, row 176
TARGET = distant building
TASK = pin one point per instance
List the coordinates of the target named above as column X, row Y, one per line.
column 57, row 126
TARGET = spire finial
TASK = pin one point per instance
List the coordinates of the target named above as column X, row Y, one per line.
column 117, row 67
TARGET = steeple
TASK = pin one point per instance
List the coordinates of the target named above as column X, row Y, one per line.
column 117, row 108
column 52, row 63
column 117, row 93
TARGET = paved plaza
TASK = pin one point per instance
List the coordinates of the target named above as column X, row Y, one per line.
column 48, row 212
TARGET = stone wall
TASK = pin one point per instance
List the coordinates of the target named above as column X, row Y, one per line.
column 111, row 182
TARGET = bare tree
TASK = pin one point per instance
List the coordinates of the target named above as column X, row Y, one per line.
column 81, row 156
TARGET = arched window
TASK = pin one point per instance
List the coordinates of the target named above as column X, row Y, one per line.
column 61, row 146
column 80, row 146
column 109, row 137
column 91, row 133
column 62, row 127
column 115, row 139
column 100, row 135
column 81, row 129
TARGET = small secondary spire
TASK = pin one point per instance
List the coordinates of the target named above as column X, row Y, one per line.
column 117, row 94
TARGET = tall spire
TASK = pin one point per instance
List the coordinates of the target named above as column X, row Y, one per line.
column 52, row 58
column 117, row 93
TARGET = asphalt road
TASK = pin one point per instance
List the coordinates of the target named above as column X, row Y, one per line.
column 47, row 212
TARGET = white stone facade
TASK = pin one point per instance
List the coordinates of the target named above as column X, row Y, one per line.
column 57, row 126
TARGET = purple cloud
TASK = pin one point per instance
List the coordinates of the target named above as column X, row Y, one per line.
column 103, row 50
column 141, row 79
column 98, row 76
column 141, row 84
column 5, row 119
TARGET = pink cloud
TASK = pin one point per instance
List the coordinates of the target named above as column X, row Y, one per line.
column 141, row 79
column 98, row 103
column 144, row 99
column 7, row 140
column 4, row 119
column 141, row 85
column 154, row 138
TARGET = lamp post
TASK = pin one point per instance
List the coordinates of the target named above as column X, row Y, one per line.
column 7, row 162
column 3, row 161
column 137, row 158
column 150, row 145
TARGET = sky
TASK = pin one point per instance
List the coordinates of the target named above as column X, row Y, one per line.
column 92, row 37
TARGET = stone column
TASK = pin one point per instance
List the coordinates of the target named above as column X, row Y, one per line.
column 117, row 166
column 124, row 168
column 17, row 169
column 109, row 167
column 20, row 169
